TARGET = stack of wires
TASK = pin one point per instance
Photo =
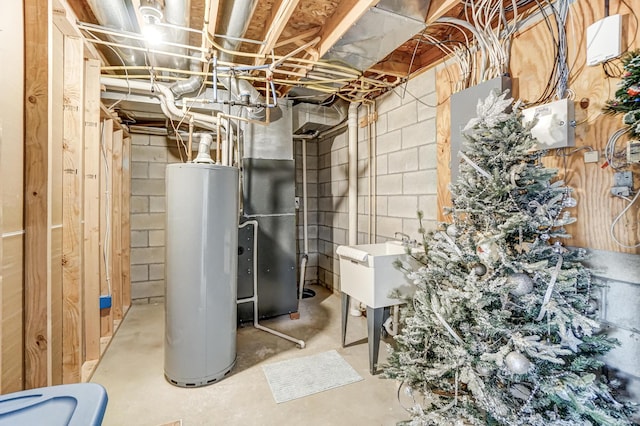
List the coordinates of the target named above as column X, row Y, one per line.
column 492, row 33
column 557, row 84
column 611, row 155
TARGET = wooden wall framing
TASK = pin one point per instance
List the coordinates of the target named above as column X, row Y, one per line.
column 65, row 269
column 531, row 62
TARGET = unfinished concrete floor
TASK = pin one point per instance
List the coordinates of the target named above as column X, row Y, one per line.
column 132, row 372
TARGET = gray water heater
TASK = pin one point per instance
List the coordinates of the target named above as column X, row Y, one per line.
column 201, row 267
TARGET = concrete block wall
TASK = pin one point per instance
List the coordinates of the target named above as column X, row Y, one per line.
column 406, row 174
column 618, row 302
column 150, row 155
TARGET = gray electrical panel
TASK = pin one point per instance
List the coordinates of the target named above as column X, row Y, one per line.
column 463, row 109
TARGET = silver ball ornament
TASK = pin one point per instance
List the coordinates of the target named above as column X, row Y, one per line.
column 545, row 237
column 517, row 363
column 452, row 231
column 479, row 269
column 520, row 284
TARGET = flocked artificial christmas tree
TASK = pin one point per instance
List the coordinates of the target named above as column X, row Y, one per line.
column 627, row 100
column 501, row 327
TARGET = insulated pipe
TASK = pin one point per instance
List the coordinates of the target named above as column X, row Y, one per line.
column 353, row 187
column 191, row 84
column 234, row 22
column 167, row 100
column 254, row 298
column 114, row 14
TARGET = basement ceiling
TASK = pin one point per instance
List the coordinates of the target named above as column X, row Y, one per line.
column 319, row 50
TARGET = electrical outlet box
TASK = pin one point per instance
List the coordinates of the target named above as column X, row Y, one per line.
column 623, row 179
column 297, row 202
column 591, row 156
column 555, row 127
column 633, row 152
column 604, row 40
column 621, row 191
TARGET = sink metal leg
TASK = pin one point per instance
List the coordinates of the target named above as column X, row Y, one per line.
column 345, row 315
column 374, row 326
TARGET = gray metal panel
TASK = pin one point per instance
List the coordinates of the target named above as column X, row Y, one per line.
column 273, row 141
column 277, row 291
column 463, row 109
column 268, row 186
column 376, row 34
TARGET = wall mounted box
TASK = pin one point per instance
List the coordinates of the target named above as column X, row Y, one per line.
column 604, row 40
column 464, row 108
column 556, row 124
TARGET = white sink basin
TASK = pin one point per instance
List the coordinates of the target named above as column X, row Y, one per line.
column 367, row 272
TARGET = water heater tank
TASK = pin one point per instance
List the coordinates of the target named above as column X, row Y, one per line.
column 201, row 273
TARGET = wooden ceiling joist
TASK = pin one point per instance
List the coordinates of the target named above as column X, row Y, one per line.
column 440, row 8
column 277, row 22
column 347, row 13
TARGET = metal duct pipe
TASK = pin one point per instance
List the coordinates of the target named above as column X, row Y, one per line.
column 176, row 12
column 191, row 84
column 234, row 21
column 114, row 14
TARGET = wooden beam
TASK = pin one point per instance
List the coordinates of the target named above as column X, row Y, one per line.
column 56, row 166
column 116, row 228
column 396, row 64
column 92, row 252
column 298, row 39
column 106, row 227
column 126, row 224
column 347, row 13
column 72, row 180
column 36, row 132
column 439, row 8
column 211, row 17
column 280, row 14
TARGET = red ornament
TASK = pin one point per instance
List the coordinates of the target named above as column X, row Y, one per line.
column 633, row 90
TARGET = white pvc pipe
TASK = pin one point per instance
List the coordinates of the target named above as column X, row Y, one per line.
column 254, row 298
column 167, row 100
column 374, row 172
column 305, row 231
column 352, row 131
column 353, row 173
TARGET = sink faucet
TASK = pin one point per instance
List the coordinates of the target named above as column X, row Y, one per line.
column 405, row 237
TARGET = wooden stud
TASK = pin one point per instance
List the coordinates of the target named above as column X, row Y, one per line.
column 126, row 224
column 56, row 166
column 37, row 238
column 72, row 207
column 116, row 222
column 92, row 254
column 106, row 227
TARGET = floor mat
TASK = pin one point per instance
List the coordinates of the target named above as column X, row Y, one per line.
column 298, row 377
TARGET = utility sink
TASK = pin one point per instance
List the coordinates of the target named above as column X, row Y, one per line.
column 367, row 272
